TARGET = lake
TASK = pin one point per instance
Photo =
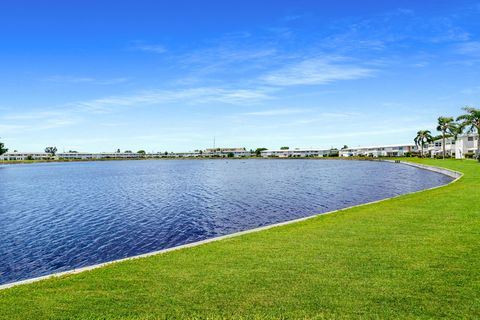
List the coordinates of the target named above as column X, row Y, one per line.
column 59, row 216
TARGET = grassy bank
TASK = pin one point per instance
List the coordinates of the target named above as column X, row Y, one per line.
column 416, row 256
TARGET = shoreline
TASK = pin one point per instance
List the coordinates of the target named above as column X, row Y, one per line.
column 386, row 159
column 455, row 175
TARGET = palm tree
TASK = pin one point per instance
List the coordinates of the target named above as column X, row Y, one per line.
column 449, row 128
column 2, row 150
column 472, row 120
column 423, row 138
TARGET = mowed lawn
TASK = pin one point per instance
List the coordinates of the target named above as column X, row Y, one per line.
column 415, row 256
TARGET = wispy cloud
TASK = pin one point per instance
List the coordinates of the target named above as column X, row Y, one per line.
column 322, row 117
column 292, row 18
column 469, row 48
column 275, row 112
column 469, row 91
column 227, row 59
column 313, row 118
column 191, row 96
column 38, row 120
column 396, row 30
column 7, row 128
column 154, row 48
column 366, row 133
column 33, row 115
column 86, row 80
column 316, row 71
column 73, row 113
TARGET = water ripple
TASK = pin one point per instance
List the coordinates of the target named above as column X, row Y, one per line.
column 60, row 216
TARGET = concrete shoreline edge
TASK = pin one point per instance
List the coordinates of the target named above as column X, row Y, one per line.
column 450, row 173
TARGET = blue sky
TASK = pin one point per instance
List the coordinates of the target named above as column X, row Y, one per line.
column 171, row 75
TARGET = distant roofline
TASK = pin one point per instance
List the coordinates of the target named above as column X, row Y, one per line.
column 295, row 149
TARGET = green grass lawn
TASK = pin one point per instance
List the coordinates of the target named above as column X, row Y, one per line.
column 415, row 256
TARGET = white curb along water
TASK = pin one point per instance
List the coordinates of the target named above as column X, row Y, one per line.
column 453, row 174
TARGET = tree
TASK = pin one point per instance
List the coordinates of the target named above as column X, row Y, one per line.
column 51, row 150
column 141, row 152
column 471, row 119
column 423, row 138
column 333, row 152
column 449, row 128
column 345, row 147
column 284, row 148
column 118, row 151
column 3, row 149
column 258, row 151
column 230, row 155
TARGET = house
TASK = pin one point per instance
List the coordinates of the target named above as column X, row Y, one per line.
column 295, row 153
column 103, row 155
column 224, row 152
column 463, row 146
column 396, row 150
column 25, row 156
column 466, row 145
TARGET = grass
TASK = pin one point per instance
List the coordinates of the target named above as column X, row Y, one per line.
column 415, row 256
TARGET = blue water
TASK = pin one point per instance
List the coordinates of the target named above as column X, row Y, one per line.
column 60, row 216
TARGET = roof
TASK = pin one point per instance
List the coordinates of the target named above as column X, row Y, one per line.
column 381, row 146
column 17, row 153
column 295, row 150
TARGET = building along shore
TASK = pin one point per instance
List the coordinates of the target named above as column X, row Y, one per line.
column 464, row 146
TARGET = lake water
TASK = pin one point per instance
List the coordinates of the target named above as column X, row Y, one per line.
column 59, row 216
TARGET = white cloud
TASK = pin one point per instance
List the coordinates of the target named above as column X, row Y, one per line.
column 315, row 72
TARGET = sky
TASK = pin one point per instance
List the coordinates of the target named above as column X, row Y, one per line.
column 171, row 75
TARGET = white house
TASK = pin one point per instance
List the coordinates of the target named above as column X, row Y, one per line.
column 25, row 156
column 77, row 155
column 464, row 145
column 190, row 154
column 436, row 147
column 103, row 155
column 224, row 152
column 397, row 150
column 297, row 152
